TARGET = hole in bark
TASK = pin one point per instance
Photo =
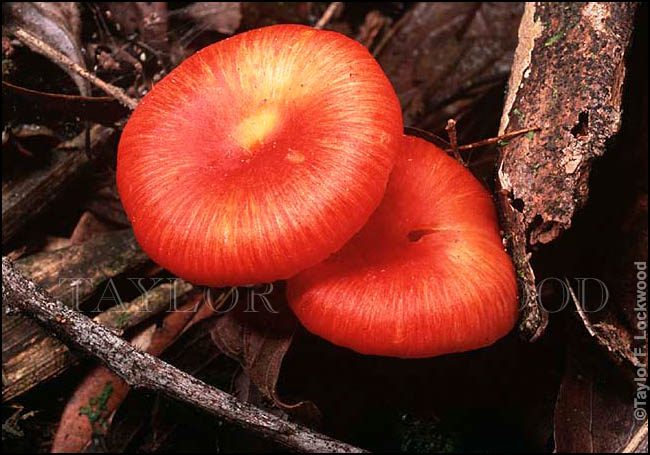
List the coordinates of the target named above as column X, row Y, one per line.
column 537, row 223
column 580, row 129
column 518, row 204
column 417, row 234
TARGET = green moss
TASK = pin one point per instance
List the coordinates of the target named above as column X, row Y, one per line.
column 96, row 407
column 553, row 39
column 519, row 115
column 123, row 319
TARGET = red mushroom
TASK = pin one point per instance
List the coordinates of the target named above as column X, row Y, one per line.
column 259, row 156
column 426, row 276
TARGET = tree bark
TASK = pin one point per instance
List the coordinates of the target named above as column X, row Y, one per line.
column 566, row 79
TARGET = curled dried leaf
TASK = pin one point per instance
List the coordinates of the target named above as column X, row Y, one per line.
column 57, row 24
column 259, row 341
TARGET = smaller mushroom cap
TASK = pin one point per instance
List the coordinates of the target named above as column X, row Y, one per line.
column 426, row 276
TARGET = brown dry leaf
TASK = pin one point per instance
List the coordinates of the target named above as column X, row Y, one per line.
column 444, row 51
column 100, row 394
column 57, row 24
column 87, row 227
column 595, row 406
column 614, row 337
column 614, row 327
column 259, row 341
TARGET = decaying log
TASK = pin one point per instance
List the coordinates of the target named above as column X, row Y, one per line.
column 142, row 370
column 102, row 257
column 567, row 79
column 122, row 317
column 29, row 354
column 28, row 196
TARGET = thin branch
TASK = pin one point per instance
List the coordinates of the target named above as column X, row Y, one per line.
column 453, row 140
column 327, row 15
column 580, row 309
column 493, row 140
column 36, row 44
column 139, row 369
column 429, row 136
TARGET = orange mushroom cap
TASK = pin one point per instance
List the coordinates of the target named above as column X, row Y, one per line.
column 259, row 156
column 426, row 276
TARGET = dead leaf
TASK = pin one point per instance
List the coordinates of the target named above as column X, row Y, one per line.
column 173, row 325
column 259, row 341
column 595, row 405
column 104, row 201
column 444, row 51
column 57, row 24
column 86, row 228
column 259, row 349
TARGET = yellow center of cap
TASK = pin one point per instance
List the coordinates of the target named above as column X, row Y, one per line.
column 252, row 131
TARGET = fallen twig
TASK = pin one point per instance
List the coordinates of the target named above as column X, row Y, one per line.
column 493, row 140
column 327, row 15
column 35, row 43
column 142, row 370
column 456, row 149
